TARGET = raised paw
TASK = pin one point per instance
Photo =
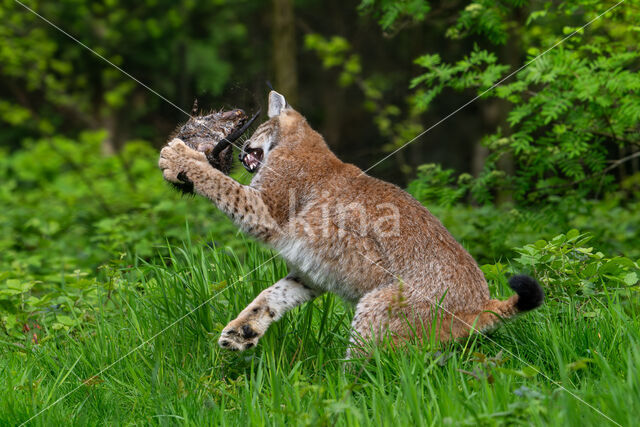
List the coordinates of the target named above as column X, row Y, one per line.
column 176, row 160
column 183, row 150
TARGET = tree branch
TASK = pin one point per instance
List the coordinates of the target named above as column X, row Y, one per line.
column 613, row 165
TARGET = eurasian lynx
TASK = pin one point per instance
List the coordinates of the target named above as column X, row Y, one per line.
column 343, row 231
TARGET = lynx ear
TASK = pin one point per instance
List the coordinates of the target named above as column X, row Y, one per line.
column 277, row 103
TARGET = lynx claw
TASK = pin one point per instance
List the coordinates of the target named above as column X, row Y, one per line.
column 182, row 150
column 171, row 176
column 169, row 166
column 176, row 159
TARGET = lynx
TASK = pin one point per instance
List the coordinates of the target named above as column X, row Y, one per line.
column 345, row 232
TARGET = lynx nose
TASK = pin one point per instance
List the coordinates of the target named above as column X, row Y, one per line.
column 227, row 115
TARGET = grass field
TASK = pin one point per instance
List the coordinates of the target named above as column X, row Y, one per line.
column 148, row 355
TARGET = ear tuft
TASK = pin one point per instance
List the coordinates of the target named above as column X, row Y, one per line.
column 277, row 103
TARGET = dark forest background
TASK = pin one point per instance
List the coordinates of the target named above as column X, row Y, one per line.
column 350, row 67
column 224, row 52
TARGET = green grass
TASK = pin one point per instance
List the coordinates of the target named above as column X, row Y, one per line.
column 521, row 374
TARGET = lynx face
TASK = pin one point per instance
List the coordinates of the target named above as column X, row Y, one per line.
column 257, row 148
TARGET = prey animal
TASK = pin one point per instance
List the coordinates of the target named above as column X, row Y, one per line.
column 343, row 231
column 214, row 135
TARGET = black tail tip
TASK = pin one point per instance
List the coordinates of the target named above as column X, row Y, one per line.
column 529, row 291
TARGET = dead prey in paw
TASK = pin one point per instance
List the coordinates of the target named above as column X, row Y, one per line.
column 214, row 135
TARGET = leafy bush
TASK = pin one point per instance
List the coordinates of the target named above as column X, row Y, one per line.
column 50, row 84
column 569, row 268
column 490, row 231
column 571, row 110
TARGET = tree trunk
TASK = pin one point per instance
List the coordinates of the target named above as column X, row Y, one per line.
column 183, row 79
column 109, row 143
column 284, row 50
column 512, row 54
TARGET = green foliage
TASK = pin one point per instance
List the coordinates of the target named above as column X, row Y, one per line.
column 336, row 52
column 490, row 232
column 56, row 84
column 570, row 119
column 570, row 108
column 163, row 362
column 390, row 12
column 488, row 18
column 68, row 211
column 439, row 186
column 479, row 68
column 571, row 269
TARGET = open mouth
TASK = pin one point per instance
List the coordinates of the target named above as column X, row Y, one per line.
column 252, row 159
column 240, row 129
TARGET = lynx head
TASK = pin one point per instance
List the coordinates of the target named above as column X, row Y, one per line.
column 257, row 148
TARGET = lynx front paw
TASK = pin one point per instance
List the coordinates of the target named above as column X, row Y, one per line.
column 176, row 160
column 244, row 332
column 239, row 339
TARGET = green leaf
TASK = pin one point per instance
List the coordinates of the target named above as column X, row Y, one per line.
column 572, row 235
column 631, row 278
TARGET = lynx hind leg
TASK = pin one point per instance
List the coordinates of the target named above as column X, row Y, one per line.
column 368, row 321
column 387, row 314
column 244, row 331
